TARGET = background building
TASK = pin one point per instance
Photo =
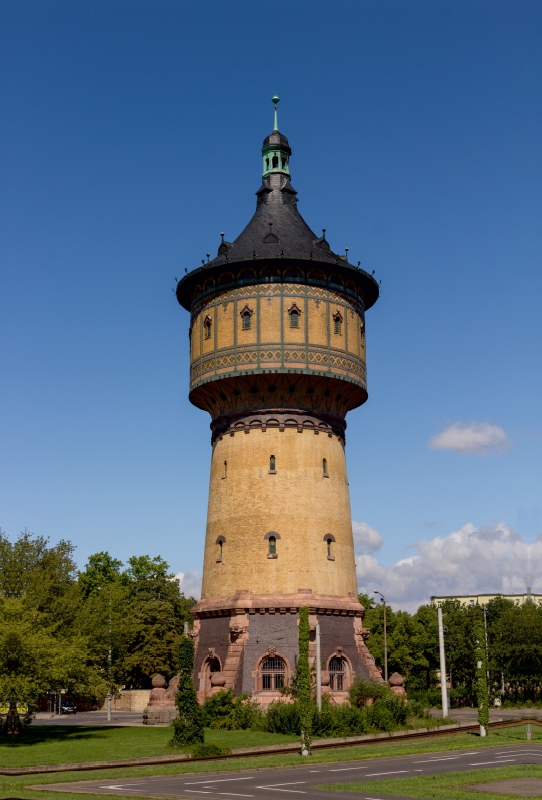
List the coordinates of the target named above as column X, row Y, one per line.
column 483, row 599
column 277, row 353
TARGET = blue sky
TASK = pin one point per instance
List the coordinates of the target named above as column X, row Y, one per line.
column 130, row 137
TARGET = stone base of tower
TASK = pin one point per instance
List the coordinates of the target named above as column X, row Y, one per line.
column 249, row 643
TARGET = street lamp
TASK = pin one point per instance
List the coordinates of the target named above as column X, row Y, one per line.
column 385, row 638
column 109, row 655
column 442, row 654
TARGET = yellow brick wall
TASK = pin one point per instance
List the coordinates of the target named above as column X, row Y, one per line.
column 230, row 348
column 297, row 502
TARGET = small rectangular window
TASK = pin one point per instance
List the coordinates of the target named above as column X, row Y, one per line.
column 337, row 325
column 246, row 322
column 294, row 319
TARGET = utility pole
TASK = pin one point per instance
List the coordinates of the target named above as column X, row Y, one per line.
column 444, row 692
column 487, row 647
column 385, row 637
column 109, row 655
column 318, row 670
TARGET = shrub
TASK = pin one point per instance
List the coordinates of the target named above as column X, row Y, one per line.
column 361, row 691
column 225, row 711
column 283, row 717
column 218, row 706
column 380, row 717
column 188, row 726
column 201, row 750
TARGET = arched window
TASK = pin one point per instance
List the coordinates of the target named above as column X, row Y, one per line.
column 273, row 670
column 271, row 539
column 329, row 539
column 275, row 162
column 220, row 542
column 207, row 322
column 324, row 468
column 267, row 163
column 337, row 674
column 272, row 464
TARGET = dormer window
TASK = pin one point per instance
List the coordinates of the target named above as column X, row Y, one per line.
column 294, row 313
column 246, row 317
column 207, row 323
column 337, row 322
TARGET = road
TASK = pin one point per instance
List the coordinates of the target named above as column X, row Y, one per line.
column 273, row 784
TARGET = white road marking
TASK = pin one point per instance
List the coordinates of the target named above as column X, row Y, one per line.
column 122, row 787
column 345, row 769
column 430, row 760
column 395, row 772
column 291, row 783
column 481, row 763
column 215, row 780
column 231, row 794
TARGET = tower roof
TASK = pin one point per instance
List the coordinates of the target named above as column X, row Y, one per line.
column 277, row 230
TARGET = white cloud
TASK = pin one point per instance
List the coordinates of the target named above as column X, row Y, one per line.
column 480, row 438
column 190, row 583
column 366, row 539
column 469, row 561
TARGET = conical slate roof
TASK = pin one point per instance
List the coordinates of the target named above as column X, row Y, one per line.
column 277, row 231
column 277, row 228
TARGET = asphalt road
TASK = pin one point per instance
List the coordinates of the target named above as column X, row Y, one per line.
column 118, row 718
column 272, row 784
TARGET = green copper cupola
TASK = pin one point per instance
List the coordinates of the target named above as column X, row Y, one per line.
column 276, row 151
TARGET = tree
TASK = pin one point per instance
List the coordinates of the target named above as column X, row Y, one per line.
column 188, row 725
column 157, row 613
column 40, row 649
column 304, row 682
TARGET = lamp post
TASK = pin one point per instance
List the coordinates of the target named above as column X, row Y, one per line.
column 443, row 688
column 109, row 654
column 385, row 637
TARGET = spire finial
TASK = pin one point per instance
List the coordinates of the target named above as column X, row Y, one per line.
column 275, row 99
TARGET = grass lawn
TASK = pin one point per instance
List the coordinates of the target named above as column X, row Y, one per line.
column 448, row 786
column 51, row 744
column 20, row 787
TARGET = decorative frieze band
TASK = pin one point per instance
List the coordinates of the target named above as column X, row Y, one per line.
column 292, row 418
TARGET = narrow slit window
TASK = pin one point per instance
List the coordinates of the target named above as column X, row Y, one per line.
column 272, row 546
column 220, row 550
column 329, row 553
column 337, row 322
column 324, row 466
column 246, row 321
column 294, row 319
column 225, row 475
column 207, row 323
column 272, row 464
